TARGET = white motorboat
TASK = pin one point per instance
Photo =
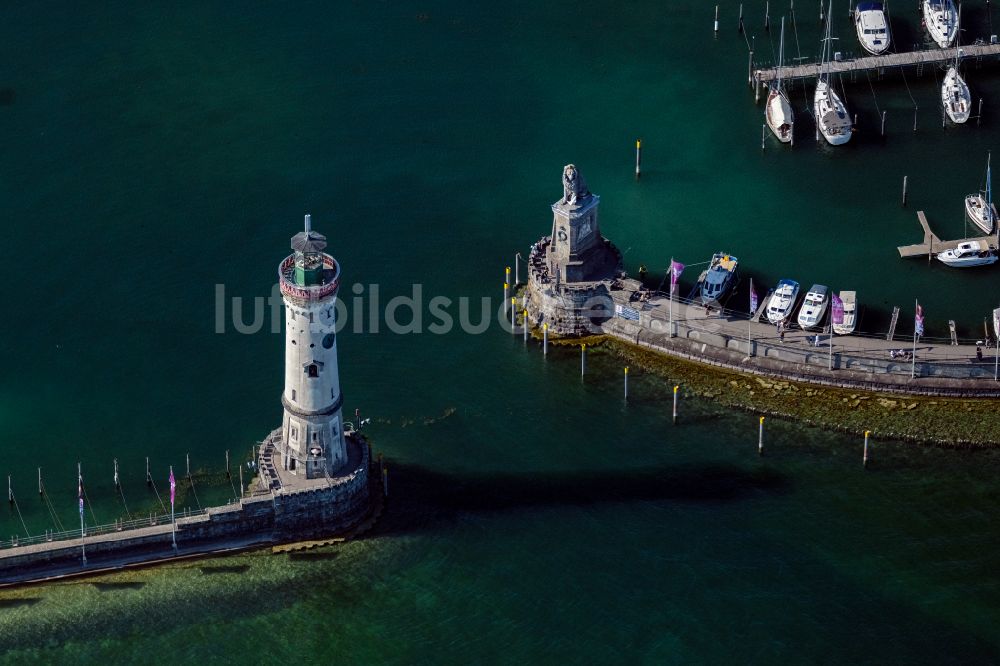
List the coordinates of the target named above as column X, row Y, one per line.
column 941, row 21
column 968, row 254
column 830, row 113
column 955, row 95
column 979, row 207
column 779, row 307
column 777, row 111
column 873, row 27
column 996, row 323
column 814, row 307
column 850, row 321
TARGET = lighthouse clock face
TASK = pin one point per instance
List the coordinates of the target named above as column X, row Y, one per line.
column 561, row 234
column 585, row 228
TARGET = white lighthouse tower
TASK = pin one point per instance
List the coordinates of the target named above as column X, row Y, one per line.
column 312, row 437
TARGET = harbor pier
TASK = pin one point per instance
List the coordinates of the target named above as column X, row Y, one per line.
column 932, row 245
column 874, row 63
column 611, row 303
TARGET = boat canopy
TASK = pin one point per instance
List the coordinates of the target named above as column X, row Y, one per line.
column 870, row 7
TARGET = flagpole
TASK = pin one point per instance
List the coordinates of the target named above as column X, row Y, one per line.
column 750, row 323
column 831, row 341
column 671, row 269
column 913, row 356
column 173, row 526
column 83, row 538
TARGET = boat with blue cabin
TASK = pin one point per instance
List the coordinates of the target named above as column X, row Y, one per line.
column 719, row 278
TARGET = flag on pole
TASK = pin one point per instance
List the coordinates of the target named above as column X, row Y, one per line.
column 753, row 298
column 173, row 486
column 79, row 493
column 918, row 322
column 837, row 309
column 676, row 268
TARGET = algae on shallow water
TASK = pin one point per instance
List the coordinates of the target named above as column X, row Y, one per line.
column 945, row 421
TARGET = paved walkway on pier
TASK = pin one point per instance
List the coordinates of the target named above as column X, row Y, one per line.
column 731, row 339
column 874, row 63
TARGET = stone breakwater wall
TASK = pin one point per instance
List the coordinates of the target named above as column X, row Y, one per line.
column 271, row 517
column 722, row 350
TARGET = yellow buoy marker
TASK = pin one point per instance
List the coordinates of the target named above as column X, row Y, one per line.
column 760, row 438
column 676, row 388
column 864, row 459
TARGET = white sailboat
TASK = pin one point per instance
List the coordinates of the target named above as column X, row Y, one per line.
column 777, row 111
column 955, row 95
column 831, row 114
column 941, row 21
column 979, row 208
column 872, row 26
column 969, row 254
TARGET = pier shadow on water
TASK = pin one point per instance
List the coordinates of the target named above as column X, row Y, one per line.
column 422, row 497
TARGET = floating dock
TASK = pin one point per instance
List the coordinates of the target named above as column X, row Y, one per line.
column 932, row 244
column 875, row 63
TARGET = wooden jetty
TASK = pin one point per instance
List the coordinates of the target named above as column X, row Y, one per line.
column 874, row 63
column 932, row 244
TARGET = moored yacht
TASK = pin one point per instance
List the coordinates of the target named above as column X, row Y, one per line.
column 778, row 111
column 829, row 111
column 941, row 21
column 968, row 254
column 979, row 208
column 873, row 27
column 955, row 95
column 718, row 278
column 849, row 299
column 779, row 307
column 814, row 307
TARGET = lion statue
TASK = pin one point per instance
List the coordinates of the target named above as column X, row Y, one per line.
column 574, row 187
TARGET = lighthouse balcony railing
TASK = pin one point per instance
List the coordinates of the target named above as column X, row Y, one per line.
column 286, row 279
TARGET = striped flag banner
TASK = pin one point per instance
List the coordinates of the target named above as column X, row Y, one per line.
column 753, row 298
column 173, row 486
column 837, row 306
column 79, row 489
column 676, row 268
column 918, row 321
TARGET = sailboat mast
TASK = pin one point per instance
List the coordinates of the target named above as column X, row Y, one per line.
column 781, row 52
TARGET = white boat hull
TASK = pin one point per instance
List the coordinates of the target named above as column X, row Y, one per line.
column 976, row 211
column 941, row 21
column 955, row 96
column 814, row 307
column 968, row 255
column 779, row 115
column 831, row 115
column 846, row 327
column 873, row 30
column 996, row 323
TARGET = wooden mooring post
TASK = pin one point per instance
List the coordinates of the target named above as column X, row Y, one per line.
column 904, row 189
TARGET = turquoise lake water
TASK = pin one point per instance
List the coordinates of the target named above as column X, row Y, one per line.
column 150, row 154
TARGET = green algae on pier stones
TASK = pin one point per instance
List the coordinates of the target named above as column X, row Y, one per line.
column 944, row 421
